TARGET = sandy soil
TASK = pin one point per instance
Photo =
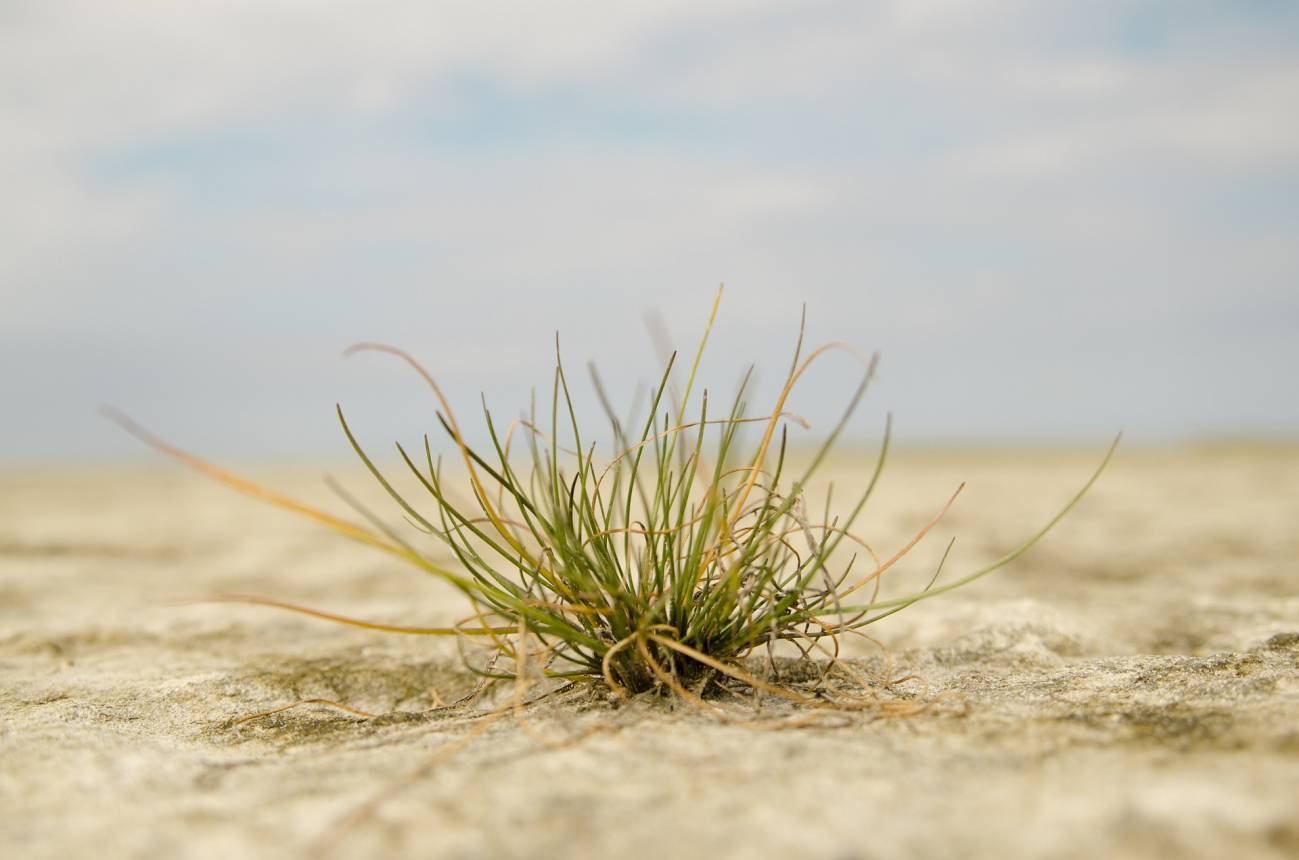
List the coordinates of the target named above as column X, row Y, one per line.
column 1132, row 687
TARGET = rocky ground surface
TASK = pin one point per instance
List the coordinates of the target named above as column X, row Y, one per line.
column 1130, row 688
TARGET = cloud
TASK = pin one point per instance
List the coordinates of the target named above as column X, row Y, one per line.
column 1079, row 198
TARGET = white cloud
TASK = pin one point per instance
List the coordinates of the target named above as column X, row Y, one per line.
column 96, row 74
column 958, row 180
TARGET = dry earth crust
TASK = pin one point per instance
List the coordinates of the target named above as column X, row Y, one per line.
column 1132, row 686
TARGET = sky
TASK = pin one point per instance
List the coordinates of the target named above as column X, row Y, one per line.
column 1054, row 221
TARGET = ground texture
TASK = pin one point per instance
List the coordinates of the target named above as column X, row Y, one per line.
column 1131, row 687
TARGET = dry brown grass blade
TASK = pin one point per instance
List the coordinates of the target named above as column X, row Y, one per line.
column 479, row 489
column 250, row 488
column 900, row 554
column 282, row 708
column 770, row 432
column 812, row 720
column 732, row 671
column 256, row 600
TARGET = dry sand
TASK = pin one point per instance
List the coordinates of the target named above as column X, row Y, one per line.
column 1133, row 687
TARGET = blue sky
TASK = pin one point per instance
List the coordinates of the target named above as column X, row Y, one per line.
column 1054, row 220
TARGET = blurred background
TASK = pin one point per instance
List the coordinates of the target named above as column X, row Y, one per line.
column 1055, row 220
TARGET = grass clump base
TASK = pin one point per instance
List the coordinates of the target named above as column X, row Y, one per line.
column 663, row 564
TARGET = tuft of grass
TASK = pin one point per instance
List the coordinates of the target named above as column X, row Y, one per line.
column 671, row 560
